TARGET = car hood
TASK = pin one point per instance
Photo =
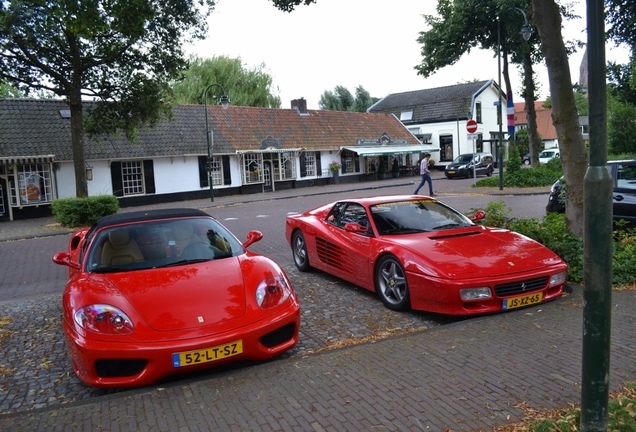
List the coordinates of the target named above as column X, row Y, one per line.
column 457, row 165
column 183, row 297
column 475, row 252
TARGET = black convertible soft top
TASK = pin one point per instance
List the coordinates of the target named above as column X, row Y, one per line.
column 143, row 215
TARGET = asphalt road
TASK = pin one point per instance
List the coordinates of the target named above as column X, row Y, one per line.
column 28, row 271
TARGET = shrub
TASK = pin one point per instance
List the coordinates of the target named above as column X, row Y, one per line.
column 514, row 162
column 83, row 212
column 552, row 232
column 542, row 175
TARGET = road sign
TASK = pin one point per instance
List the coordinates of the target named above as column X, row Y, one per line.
column 471, row 126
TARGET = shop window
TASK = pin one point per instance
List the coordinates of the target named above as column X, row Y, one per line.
column 252, row 168
column 33, row 184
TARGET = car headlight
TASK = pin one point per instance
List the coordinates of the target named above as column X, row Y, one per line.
column 272, row 291
column 475, row 293
column 558, row 278
column 104, row 319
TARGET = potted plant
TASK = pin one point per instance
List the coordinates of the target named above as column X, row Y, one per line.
column 395, row 168
column 381, row 170
column 334, row 167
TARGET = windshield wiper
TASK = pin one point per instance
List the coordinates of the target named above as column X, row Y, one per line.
column 448, row 225
column 404, row 231
column 113, row 270
column 184, row 262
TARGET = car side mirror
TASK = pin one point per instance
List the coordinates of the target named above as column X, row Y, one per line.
column 64, row 258
column 354, row 227
column 478, row 215
column 252, row 237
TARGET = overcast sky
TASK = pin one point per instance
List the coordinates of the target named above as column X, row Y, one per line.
column 371, row 43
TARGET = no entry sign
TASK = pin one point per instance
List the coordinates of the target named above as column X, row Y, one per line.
column 471, row 126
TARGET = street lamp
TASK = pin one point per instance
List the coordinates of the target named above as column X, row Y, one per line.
column 225, row 102
column 526, row 32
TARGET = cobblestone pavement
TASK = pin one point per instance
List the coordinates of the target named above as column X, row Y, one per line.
column 412, row 370
column 467, row 376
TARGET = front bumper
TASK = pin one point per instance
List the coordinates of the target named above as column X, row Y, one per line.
column 443, row 295
column 144, row 363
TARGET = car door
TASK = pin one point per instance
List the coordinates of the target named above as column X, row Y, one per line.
column 624, row 193
column 347, row 253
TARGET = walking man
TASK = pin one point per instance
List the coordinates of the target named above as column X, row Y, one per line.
column 426, row 175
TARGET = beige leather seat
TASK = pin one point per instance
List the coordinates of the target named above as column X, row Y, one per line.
column 183, row 234
column 120, row 249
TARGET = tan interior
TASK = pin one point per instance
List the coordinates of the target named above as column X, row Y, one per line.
column 120, row 249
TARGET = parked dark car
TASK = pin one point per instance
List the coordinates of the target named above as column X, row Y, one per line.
column 624, row 192
column 463, row 165
column 526, row 159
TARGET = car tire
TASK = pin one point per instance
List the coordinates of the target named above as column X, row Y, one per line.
column 526, row 162
column 489, row 172
column 299, row 249
column 391, row 284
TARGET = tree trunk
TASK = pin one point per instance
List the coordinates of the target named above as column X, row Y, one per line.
column 77, row 140
column 547, row 18
column 534, row 140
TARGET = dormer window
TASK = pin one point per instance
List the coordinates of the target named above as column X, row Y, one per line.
column 406, row 115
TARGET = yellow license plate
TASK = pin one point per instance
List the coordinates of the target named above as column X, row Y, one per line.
column 451, row 172
column 205, row 355
column 526, row 300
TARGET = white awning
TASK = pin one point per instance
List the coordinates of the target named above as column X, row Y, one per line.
column 26, row 160
column 392, row 149
column 270, row 150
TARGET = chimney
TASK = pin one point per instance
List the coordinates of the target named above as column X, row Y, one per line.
column 300, row 105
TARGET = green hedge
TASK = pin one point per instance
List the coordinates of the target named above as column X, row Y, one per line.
column 515, row 176
column 83, row 212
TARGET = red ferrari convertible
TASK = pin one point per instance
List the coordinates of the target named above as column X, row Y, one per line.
column 160, row 292
column 417, row 252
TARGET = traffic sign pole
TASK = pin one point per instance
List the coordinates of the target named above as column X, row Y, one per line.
column 471, row 127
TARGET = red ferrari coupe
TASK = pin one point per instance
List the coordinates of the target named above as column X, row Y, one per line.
column 417, row 252
column 160, row 292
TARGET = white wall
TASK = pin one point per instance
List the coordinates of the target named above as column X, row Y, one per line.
column 176, row 174
column 65, row 180
column 457, row 128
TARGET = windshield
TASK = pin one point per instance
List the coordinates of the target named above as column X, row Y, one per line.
column 406, row 217
column 463, row 159
column 155, row 244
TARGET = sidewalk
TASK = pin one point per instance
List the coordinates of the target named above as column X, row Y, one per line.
column 467, row 376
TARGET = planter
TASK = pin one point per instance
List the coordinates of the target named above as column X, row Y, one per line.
column 336, row 177
column 381, row 176
column 396, row 174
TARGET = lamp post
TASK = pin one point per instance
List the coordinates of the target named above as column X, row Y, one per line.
column 526, row 32
column 225, row 102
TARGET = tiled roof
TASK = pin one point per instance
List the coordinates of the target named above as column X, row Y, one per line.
column 245, row 128
column 35, row 127
column 433, row 105
column 545, row 126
